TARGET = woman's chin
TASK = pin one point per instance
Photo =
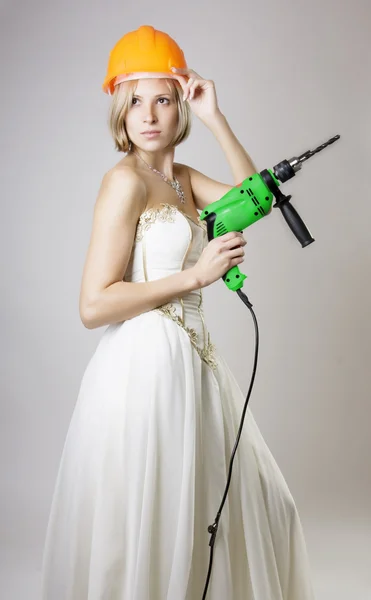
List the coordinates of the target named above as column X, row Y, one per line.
column 157, row 143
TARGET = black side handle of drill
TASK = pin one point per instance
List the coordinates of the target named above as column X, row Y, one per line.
column 295, row 222
column 291, row 216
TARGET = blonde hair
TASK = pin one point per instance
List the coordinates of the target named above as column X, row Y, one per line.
column 122, row 98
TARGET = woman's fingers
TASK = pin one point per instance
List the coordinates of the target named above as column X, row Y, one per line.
column 188, row 89
column 231, row 242
column 192, row 89
column 189, row 72
column 193, row 81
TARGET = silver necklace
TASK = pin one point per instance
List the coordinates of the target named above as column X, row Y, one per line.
column 174, row 184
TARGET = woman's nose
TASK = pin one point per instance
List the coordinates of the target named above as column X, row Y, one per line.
column 150, row 114
column 150, row 117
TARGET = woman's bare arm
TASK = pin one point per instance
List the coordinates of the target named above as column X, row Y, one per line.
column 104, row 297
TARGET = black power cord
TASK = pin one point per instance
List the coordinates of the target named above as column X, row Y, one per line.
column 212, row 529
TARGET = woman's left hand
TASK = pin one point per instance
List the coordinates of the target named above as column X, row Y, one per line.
column 200, row 93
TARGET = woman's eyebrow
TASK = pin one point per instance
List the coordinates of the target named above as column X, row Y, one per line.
column 158, row 95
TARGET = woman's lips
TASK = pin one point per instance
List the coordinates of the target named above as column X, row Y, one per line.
column 151, row 134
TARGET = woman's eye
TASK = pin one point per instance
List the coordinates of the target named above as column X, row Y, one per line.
column 135, row 99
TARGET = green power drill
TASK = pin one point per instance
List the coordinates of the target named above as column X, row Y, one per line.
column 251, row 200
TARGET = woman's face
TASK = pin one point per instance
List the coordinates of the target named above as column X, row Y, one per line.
column 153, row 108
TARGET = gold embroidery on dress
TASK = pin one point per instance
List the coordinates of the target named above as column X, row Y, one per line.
column 207, row 353
column 144, row 260
column 199, row 309
column 165, row 213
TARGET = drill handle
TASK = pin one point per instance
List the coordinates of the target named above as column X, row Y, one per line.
column 295, row 222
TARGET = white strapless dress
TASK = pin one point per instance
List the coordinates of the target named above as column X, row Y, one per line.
column 146, row 457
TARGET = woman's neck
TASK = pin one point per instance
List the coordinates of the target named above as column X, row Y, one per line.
column 162, row 161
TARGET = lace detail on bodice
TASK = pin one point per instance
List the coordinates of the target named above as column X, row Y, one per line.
column 164, row 212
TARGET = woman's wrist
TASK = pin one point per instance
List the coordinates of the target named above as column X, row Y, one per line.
column 194, row 280
column 214, row 119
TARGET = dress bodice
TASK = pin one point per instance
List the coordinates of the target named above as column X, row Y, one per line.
column 167, row 241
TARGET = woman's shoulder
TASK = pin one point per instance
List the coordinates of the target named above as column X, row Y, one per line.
column 123, row 174
column 124, row 167
column 122, row 180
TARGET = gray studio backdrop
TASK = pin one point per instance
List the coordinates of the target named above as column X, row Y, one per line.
column 289, row 75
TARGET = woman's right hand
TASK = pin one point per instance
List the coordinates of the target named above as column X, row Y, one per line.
column 221, row 254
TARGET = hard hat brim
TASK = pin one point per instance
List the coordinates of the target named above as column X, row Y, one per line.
column 143, row 75
column 139, row 75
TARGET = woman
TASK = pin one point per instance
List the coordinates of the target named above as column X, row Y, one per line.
column 145, row 462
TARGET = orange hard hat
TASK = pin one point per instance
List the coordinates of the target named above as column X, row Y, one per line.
column 145, row 52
